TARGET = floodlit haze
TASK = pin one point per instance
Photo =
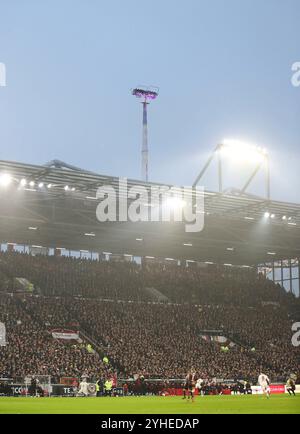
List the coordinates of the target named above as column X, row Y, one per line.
column 223, row 68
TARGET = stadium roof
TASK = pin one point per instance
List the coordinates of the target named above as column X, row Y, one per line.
column 237, row 229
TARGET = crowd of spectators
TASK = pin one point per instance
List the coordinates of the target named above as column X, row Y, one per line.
column 63, row 276
column 55, row 275
column 107, row 303
column 155, row 340
column 31, row 349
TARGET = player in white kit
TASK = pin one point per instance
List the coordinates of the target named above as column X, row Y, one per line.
column 83, row 388
column 264, row 382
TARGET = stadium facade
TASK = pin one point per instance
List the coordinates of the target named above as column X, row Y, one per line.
column 52, row 208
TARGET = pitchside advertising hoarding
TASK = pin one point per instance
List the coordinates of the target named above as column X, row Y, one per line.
column 69, row 391
column 256, row 390
column 54, row 390
column 275, row 389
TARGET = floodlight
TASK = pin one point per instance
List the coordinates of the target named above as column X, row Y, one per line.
column 41, row 185
column 5, row 180
column 175, row 203
column 146, row 94
column 32, row 183
column 267, row 215
column 239, row 151
column 23, row 182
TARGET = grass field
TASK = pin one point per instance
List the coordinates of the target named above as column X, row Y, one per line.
column 151, row 405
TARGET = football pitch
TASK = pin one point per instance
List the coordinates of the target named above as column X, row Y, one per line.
column 277, row 404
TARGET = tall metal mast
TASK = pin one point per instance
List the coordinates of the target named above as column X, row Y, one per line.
column 147, row 95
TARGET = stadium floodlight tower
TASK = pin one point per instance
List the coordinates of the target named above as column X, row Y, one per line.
column 240, row 151
column 147, row 94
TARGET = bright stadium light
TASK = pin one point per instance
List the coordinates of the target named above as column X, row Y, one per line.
column 267, row 215
column 23, row 182
column 175, row 203
column 241, row 154
column 5, row 180
column 41, row 185
column 32, row 183
column 239, row 151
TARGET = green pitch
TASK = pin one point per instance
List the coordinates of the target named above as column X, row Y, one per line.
column 152, row 405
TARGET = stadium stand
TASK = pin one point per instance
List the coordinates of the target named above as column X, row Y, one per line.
column 139, row 337
column 64, row 276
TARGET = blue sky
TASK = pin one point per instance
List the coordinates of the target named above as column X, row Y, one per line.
column 223, row 68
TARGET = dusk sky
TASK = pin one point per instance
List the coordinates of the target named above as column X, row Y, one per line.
column 223, row 67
